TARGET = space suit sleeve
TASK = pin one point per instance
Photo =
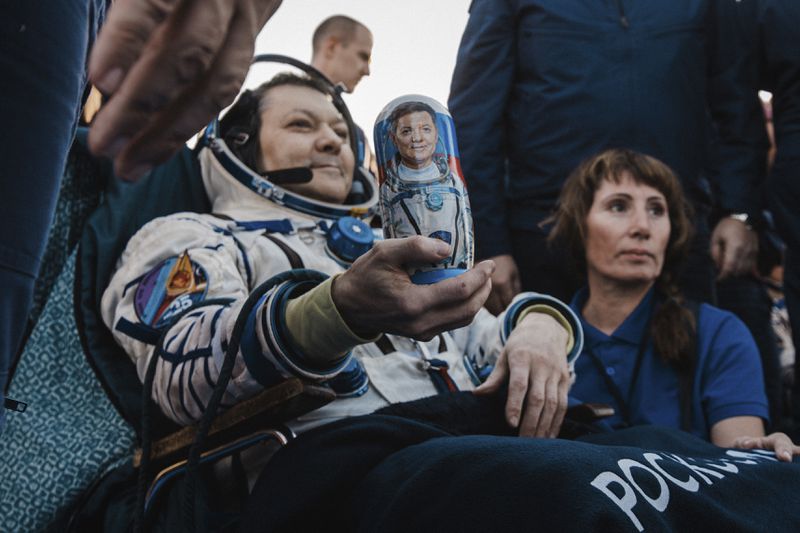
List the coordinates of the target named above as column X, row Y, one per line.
column 483, row 340
column 531, row 302
column 178, row 291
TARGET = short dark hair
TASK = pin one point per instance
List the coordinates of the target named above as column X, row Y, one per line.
column 342, row 26
column 244, row 117
column 288, row 78
column 406, row 108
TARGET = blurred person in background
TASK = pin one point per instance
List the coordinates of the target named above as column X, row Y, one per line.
column 779, row 46
column 342, row 51
column 539, row 85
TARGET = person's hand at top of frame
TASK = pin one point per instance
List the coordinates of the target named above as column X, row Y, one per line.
column 376, row 295
column 168, row 66
column 734, row 248
column 534, row 364
column 780, row 443
column 505, row 283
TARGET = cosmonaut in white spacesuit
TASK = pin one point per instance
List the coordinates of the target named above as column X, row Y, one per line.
column 280, row 173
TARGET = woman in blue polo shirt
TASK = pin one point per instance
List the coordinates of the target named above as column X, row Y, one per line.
column 656, row 358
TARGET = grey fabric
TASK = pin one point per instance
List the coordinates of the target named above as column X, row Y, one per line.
column 80, row 193
column 70, row 434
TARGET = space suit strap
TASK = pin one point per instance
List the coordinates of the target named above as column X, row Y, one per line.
column 295, row 261
column 140, row 332
column 283, row 225
column 442, row 344
column 440, row 377
column 385, row 345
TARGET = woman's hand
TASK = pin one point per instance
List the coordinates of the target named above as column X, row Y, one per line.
column 780, row 443
column 534, row 363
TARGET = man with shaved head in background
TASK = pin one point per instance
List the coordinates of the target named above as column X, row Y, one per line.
column 342, row 50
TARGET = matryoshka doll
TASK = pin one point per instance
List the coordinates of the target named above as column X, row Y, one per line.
column 422, row 188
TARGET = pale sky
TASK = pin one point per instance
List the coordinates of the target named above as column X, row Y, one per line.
column 415, row 45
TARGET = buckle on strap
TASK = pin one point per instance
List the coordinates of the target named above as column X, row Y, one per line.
column 15, row 405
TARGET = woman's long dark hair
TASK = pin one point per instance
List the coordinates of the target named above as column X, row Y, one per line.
column 673, row 325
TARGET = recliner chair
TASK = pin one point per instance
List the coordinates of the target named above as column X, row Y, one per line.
column 84, row 418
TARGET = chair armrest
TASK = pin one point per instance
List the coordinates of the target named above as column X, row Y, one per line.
column 275, row 405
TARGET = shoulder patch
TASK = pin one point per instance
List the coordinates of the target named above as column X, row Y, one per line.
column 173, row 286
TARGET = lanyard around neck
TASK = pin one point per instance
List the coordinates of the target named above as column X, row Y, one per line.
column 613, row 389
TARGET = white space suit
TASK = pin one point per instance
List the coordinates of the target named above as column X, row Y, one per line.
column 179, row 261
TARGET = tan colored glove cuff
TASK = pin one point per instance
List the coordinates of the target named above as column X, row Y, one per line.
column 547, row 310
column 317, row 327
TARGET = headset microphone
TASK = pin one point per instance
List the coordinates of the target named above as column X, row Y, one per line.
column 289, row 175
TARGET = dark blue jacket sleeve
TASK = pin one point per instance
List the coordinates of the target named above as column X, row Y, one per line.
column 740, row 154
column 780, row 42
column 780, row 49
column 482, row 80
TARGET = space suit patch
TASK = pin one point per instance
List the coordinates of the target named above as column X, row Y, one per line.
column 173, row 286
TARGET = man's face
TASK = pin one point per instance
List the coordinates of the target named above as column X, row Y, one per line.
column 415, row 136
column 350, row 61
column 300, row 127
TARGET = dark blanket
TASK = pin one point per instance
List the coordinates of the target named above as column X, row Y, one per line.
column 387, row 472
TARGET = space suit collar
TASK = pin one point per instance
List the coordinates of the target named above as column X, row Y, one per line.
column 231, row 197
